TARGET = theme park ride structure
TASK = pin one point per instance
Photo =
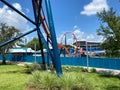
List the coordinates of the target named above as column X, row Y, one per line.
column 76, row 51
column 49, row 30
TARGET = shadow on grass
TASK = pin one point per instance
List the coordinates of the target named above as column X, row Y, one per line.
column 8, row 63
column 108, row 76
column 111, row 87
column 16, row 71
column 13, row 72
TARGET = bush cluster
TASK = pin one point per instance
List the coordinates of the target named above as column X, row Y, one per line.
column 50, row 81
column 74, row 69
column 32, row 67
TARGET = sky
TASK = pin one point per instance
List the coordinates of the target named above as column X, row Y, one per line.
column 76, row 16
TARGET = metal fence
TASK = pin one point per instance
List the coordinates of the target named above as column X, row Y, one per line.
column 107, row 63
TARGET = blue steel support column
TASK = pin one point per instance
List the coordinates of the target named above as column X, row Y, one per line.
column 48, row 60
column 39, row 9
column 37, row 15
column 38, row 29
column 42, row 52
column 56, row 57
column 34, row 9
column 15, row 38
column 45, row 43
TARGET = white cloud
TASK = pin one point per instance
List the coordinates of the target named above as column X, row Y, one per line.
column 27, row 10
column 90, row 37
column 17, row 6
column 81, row 36
column 75, row 27
column 11, row 18
column 59, row 37
column 94, row 7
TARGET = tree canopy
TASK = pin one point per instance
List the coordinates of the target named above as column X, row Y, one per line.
column 7, row 33
column 31, row 44
column 110, row 30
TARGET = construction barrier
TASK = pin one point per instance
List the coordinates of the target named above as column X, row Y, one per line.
column 106, row 63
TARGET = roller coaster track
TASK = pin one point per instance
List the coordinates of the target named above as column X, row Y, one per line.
column 48, row 29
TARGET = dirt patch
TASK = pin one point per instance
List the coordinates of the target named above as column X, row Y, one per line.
column 22, row 63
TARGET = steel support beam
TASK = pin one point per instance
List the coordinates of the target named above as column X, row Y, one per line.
column 41, row 48
column 56, row 57
column 48, row 60
column 13, row 39
column 39, row 11
column 36, row 9
column 53, row 55
column 45, row 43
column 17, row 11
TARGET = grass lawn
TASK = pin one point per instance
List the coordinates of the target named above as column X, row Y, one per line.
column 12, row 77
column 100, row 81
column 103, row 82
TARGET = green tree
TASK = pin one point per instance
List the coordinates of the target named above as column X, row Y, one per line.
column 7, row 33
column 31, row 44
column 21, row 45
column 110, row 30
column 69, row 46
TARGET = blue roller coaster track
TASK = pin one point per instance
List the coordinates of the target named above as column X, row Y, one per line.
column 37, row 9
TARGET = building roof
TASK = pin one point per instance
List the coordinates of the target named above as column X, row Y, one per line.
column 24, row 50
column 20, row 50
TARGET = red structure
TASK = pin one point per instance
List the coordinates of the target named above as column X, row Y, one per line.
column 76, row 51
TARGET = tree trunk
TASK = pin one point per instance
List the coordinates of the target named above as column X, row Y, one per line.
column 3, row 59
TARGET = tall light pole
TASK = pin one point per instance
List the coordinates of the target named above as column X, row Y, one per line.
column 26, row 45
column 35, row 51
column 87, row 56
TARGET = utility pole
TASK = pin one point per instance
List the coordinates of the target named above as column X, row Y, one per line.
column 35, row 52
column 87, row 56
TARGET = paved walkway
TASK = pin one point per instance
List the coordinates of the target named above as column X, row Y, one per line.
column 108, row 71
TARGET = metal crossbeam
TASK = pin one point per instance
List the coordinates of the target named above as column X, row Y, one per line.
column 17, row 11
column 16, row 38
column 56, row 58
column 37, row 7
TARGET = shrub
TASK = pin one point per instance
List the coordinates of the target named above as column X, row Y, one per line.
column 74, row 69
column 93, row 70
column 36, row 66
column 35, row 80
column 84, row 83
column 32, row 67
column 83, row 69
column 81, row 82
column 49, row 81
column 68, row 81
column 43, row 81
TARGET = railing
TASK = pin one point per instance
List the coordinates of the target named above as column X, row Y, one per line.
column 106, row 63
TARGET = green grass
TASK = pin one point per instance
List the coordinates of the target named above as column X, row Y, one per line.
column 103, row 82
column 80, row 80
column 12, row 77
column 100, row 81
